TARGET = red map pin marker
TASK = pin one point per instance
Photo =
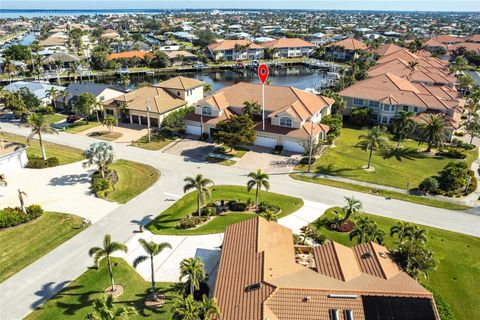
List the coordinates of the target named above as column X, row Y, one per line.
column 263, row 73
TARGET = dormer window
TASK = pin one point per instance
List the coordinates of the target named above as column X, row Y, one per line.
column 286, row 121
column 206, row 111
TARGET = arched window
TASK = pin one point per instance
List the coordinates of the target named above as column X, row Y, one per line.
column 286, row 122
column 207, row 111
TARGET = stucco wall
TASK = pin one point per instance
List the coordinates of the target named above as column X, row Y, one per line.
column 13, row 161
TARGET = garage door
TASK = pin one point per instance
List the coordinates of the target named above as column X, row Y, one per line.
column 194, row 130
column 265, row 141
column 293, row 146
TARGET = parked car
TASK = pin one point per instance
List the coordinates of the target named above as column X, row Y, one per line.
column 73, row 118
column 199, row 66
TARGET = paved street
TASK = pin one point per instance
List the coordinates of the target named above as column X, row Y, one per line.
column 35, row 284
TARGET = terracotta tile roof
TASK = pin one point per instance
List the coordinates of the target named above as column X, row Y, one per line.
column 434, row 43
column 287, row 43
column 159, row 100
column 423, row 59
column 128, row 55
column 387, row 49
column 52, row 41
column 230, row 44
column 474, row 38
column 349, row 44
column 447, row 39
column 180, row 83
column 470, row 46
column 258, row 277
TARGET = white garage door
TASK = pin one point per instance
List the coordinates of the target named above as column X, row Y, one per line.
column 194, row 130
column 293, row 146
column 265, row 141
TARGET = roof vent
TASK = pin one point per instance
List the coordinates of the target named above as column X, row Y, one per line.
column 383, row 255
column 307, row 298
column 253, row 287
column 367, row 255
column 342, row 296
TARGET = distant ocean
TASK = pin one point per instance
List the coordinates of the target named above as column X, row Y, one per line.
column 31, row 13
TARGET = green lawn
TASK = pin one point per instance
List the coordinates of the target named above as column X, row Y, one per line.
column 105, row 135
column 165, row 222
column 156, row 143
column 402, row 169
column 238, row 152
column 133, row 179
column 25, row 243
column 381, row 192
column 75, row 301
column 53, row 118
column 81, row 126
column 456, row 277
column 223, row 162
column 64, row 154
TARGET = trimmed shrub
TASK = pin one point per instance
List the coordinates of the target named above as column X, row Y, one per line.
column 304, row 160
column 265, row 206
column 191, row 222
column 457, row 143
column 238, row 206
column 10, row 217
column 430, row 184
column 101, row 187
column 452, row 153
column 39, row 163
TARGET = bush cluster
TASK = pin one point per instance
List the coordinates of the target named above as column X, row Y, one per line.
column 238, row 206
column 265, row 206
column 10, row 217
column 39, row 163
column 456, row 143
column 304, row 160
column 191, row 222
column 101, row 187
column 452, row 153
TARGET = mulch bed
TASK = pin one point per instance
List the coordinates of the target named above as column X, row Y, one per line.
column 152, row 303
column 119, row 289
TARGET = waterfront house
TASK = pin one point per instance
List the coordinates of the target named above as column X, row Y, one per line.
column 344, row 49
column 263, row 275
column 231, row 50
column 103, row 92
column 292, row 115
column 290, row 47
column 38, row 88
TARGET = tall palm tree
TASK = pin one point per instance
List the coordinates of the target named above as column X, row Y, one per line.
column 53, row 93
column 251, row 108
column 39, row 125
column 152, row 249
column 209, row 308
column 259, row 180
column 194, row 270
column 403, row 125
column 64, row 94
column 104, row 309
column 185, row 308
column 98, row 106
column 375, row 139
column 432, row 131
column 109, row 247
column 99, row 154
column 200, row 184
column 207, row 89
column 353, row 206
column 402, row 229
column 9, row 69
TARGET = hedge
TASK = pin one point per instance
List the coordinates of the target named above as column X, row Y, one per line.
column 10, row 217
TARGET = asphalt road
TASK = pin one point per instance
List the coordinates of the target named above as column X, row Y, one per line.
column 32, row 286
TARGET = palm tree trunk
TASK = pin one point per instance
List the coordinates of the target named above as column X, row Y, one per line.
column 98, row 117
column 199, row 204
column 154, row 291
column 256, row 196
column 399, row 140
column 111, row 273
column 429, row 148
column 40, row 141
column 471, row 138
column 370, row 158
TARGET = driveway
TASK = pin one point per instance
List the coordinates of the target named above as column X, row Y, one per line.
column 190, row 148
column 262, row 158
column 60, row 189
column 130, row 132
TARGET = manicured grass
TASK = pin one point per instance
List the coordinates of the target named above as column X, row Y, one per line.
column 156, row 143
column 53, row 118
column 223, row 162
column 81, row 126
column 165, row 222
column 105, row 135
column 381, row 193
column 75, row 301
column 458, row 255
column 25, row 243
column 238, row 152
column 404, row 168
column 64, row 154
column 133, row 179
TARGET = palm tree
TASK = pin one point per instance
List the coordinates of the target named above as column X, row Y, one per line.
column 403, row 125
column 432, row 131
column 258, row 180
column 152, row 249
column 109, row 247
column 110, row 121
column 9, row 69
column 194, row 270
column 200, row 184
column 98, row 106
column 374, row 140
column 353, row 206
column 361, row 230
column 375, row 234
column 270, row 215
column 207, row 88
column 99, row 154
column 209, row 308
column 39, row 125
column 53, row 93
column 419, row 234
column 185, row 308
column 104, row 309
column 412, row 66
column 403, row 230
column 64, row 94
column 73, row 73
column 251, row 108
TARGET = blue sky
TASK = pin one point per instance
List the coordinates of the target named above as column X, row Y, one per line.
column 409, row 5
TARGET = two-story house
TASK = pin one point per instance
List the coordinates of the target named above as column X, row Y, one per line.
column 292, row 116
column 290, row 47
column 344, row 49
column 231, row 50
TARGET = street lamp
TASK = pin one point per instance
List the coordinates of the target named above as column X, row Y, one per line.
column 148, row 122
column 311, row 145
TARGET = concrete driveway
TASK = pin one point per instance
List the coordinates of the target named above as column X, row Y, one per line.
column 60, row 189
column 130, row 132
column 262, row 158
column 190, row 148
